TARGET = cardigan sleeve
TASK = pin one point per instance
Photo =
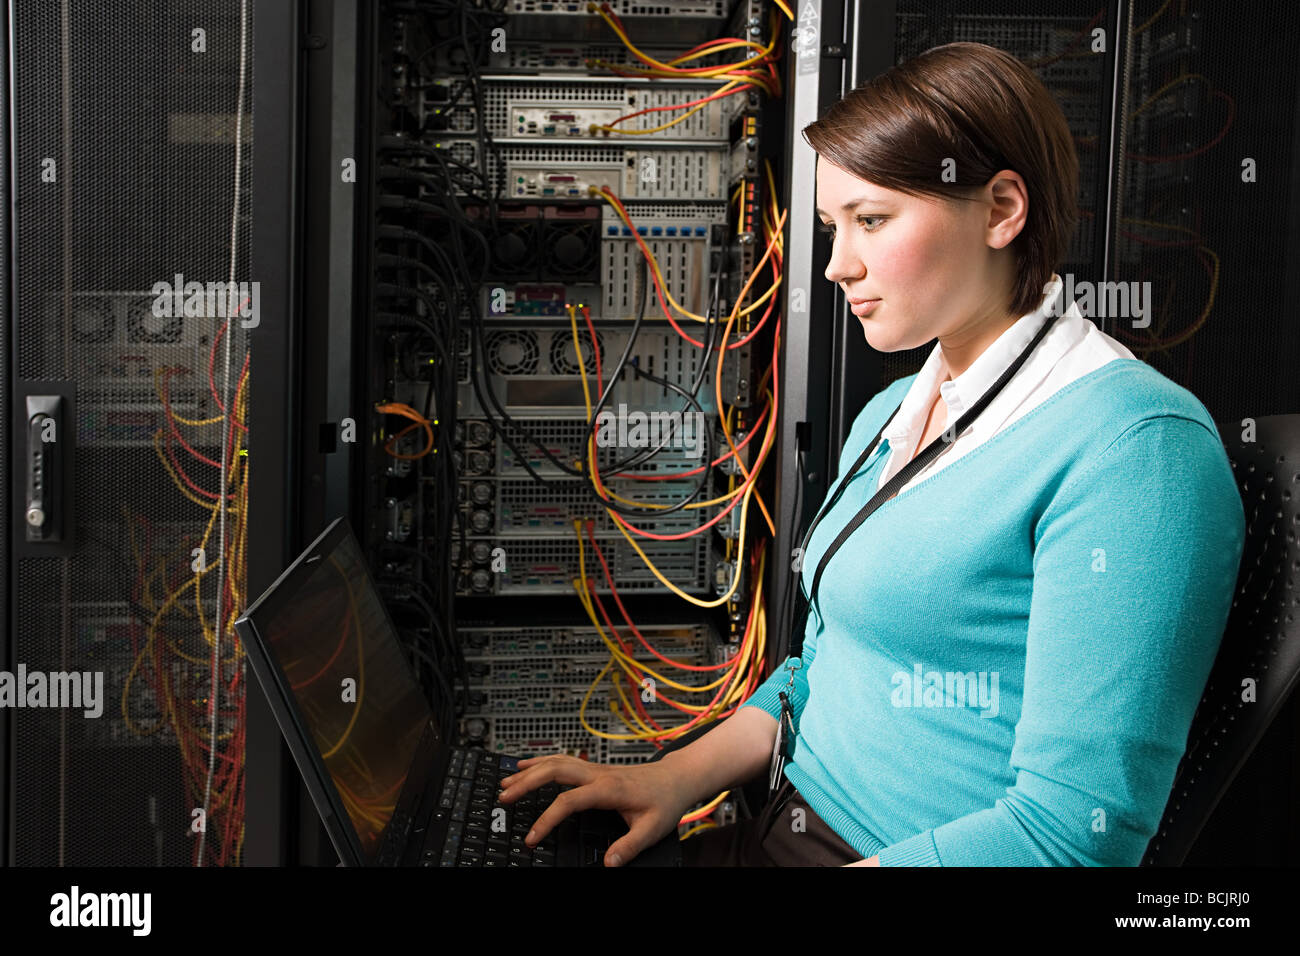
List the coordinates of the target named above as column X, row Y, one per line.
column 1135, row 564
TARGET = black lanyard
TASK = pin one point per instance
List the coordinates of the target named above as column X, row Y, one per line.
column 892, row 486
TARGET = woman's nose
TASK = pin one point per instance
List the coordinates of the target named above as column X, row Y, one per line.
column 843, row 265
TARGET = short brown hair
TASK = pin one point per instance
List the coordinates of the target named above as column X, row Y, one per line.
column 985, row 110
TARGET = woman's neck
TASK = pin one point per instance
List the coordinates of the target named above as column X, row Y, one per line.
column 961, row 349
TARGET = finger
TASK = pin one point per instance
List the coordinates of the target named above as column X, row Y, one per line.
column 527, row 763
column 532, row 774
column 622, row 850
column 533, row 760
column 554, row 768
column 567, row 803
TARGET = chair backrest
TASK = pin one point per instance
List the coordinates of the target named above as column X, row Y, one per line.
column 1261, row 641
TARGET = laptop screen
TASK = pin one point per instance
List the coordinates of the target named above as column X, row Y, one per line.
column 354, row 689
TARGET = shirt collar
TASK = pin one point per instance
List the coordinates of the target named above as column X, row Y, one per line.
column 962, row 392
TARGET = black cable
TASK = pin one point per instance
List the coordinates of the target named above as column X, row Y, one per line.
column 441, row 701
column 392, row 173
column 480, row 106
column 444, row 426
column 446, row 474
column 476, row 320
column 704, row 473
column 481, row 385
column 454, row 655
column 645, row 454
column 477, row 351
column 713, row 321
column 399, row 144
column 460, row 220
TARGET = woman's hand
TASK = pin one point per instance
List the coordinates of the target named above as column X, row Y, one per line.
column 649, row 797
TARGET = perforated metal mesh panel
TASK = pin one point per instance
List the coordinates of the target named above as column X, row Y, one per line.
column 125, row 177
column 1207, row 92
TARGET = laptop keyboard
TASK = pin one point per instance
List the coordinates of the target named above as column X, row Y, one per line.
column 482, row 832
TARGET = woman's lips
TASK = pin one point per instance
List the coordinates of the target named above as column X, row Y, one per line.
column 864, row 309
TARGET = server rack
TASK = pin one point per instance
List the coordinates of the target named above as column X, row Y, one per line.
column 127, row 179
column 346, row 64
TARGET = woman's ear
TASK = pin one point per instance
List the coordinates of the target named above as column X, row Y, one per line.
column 1008, row 200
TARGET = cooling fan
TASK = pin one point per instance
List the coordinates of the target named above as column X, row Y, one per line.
column 142, row 325
column 515, row 243
column 92, row 321
column 512, row 352
column 571, row 242
column 565, row 362
column 572, row 249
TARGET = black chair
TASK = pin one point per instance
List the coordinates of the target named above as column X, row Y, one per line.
column 1261, row 640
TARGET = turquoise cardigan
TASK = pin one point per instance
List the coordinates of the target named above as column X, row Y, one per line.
column 1012, row 650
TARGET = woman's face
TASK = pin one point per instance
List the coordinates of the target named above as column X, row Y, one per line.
column 937, row 267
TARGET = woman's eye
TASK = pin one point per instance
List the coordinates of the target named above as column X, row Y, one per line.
column 861, row 220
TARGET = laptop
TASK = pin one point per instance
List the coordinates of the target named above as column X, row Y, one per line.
column 391, row 786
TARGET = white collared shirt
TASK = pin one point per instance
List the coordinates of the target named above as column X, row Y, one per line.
column 1071, row 349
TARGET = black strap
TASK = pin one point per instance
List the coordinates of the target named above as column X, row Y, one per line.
column 805, row 603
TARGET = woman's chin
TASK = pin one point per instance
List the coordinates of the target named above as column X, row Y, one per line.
column 878, row 338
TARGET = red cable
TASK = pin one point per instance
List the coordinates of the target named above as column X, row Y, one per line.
column 613, row 590
column 739, row 493
column 676, row 106
column 586, row 314
column 753, row 429
column 167, row 447
column 659, row 293
column 171, row 421
column 595, row 349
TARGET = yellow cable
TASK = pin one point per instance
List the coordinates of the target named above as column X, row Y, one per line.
column 573, row 324
column 776, row 238
column 726, row 432
column 649, row 256
column 617, row 652
column 744, row 525
column 715, row 71
column 1177, row 80
column 175, row 417
column 718, row 48
column 768, row 86
column 745, row 658
column 1153, row 18
column 733, row 85
column 702, row 825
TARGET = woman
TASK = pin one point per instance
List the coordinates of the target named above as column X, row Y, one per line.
column 1003, row 660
